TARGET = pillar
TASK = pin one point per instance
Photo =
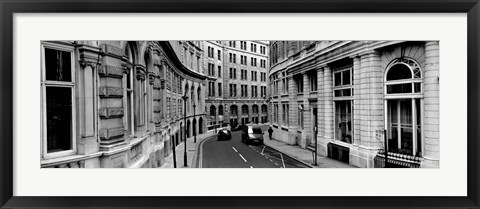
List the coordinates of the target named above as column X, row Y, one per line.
column 328, row 102
column 431, row 105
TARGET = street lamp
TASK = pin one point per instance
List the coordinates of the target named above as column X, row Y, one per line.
column 185, row 127
column 195, row 134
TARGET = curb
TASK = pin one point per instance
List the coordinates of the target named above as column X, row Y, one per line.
column 197, row 151
column 301, row 161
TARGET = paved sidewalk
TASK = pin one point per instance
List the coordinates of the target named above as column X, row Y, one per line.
column 191, row 152
column 303, row 155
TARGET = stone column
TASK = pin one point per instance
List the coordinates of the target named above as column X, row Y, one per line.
column 328, row 102
column 431, row 105
column 321, row 104
column 356, row 100
column 371, row 99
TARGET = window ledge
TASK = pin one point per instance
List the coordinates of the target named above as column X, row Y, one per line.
column 284, row 95
column 68, row 159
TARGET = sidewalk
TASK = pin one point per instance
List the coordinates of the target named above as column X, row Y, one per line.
column 191, row 152
column 303, row 155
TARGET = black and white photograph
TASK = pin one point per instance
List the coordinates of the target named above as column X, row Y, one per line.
column 240, row 104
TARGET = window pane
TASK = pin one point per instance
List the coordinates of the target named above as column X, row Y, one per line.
column 399, row 88
column 346, row 77
column 338, row 79
column 58, row 65
column 417, row 87
column 59, row 119
column 343, row 126
column 398, row 72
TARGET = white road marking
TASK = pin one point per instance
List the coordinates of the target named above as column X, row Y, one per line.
column 282, row 160
column 234, row 149
column 242, row 157
column 263, row 149
column 251, row 166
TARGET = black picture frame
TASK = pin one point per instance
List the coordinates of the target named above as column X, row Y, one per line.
column 10, row 7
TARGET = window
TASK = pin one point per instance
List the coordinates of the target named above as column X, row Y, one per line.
column 219, row 89
column 219, row 55
column 262, row 50
column 58, row 84
column 232, row 58
column 275, row 113
column 231, row 44
column 211, row 69
column 219, row 71
column 312, row 77
column 285, row 114
column 210, row 52
column 403, row 94
column 253, row 47
column 300, row 115
column 263, row 63
column 253, row 62
column 233, row 73
column 243, row 74
column 243, row 60
column 299, row 83
column 243, row 45
column 343, row 93
column 213, row 110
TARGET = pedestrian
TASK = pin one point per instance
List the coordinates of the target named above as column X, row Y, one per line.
column 270, row 132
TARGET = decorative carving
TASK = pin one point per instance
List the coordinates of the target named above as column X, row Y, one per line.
column 112, row 50
column 111, row 112
column 162, row 83
column 111, row 71
column 107, row 91
column 111, row 133
column 84, row 63
column 151, row 77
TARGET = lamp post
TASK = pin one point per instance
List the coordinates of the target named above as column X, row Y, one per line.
column 215, row 124
column 174, row 156
column 195, row 135
column 185, row 128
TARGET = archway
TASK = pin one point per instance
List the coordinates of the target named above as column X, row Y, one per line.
column 200, row 125
column 194, row 127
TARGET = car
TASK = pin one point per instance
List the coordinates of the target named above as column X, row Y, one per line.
column 252, row 134
column 224, row 134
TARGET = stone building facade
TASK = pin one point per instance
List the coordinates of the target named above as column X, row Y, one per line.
column 237, row 86
column 118, row 104
column 350, row 96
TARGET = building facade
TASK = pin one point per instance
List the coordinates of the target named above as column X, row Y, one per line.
column 118, row 104
column 237, row 85
column 353, row 96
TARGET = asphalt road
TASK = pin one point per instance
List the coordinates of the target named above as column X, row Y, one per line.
column 236, row 154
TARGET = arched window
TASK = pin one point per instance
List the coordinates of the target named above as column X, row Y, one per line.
column 220, row 110
column 404, row 104
column 403, row 76
column 212, row 110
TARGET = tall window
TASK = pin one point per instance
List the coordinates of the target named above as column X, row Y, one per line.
column 285, row 114
column 299, row 83
column 312, row 78
column 219, row 55
column 300, row 115
column 219, row 71
column 219, row 89
column 129, row 113
column 403, row 93
column 58, row 84
column 210, row 52
column 343, row 95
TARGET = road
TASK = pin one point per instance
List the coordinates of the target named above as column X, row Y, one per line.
column 236, row 154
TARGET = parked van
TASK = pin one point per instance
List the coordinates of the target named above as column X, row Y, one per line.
column 252, row 134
